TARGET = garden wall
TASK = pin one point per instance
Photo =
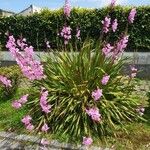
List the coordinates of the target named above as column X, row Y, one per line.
column 140, row 59
column 45, row 26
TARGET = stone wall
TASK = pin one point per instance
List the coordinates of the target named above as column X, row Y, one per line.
column 140, row 59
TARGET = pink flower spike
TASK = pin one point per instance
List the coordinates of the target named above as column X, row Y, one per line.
column 106, row 24
column 44, row 142
column 31, row 68
column 113, row 2
column 105, row 79
column 114, row 25
column 46, row 108
column 16, row 104
column 5, row 81
column 107, row 50
column 78, row 33
column 87, row 141
column 66, row 34
column 45, row 128
column 26, row 120
column 97, row 94
column 94, row 113
column 67, row 8
column 29, row 127
column 133, row 71
column 43, row 102
column 132, row 15
column 121, row 45
column 23, row 99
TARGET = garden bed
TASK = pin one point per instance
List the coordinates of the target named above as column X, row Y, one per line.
column 138, row 136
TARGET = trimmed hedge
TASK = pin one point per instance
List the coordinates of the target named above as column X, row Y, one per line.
column 45, row 26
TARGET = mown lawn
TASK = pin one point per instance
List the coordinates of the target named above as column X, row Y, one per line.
column 137, row 138
column 9, row 117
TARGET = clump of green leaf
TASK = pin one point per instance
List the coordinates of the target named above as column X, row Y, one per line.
column 70, row 80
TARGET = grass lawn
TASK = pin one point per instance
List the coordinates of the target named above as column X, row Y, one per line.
column 137, row 138
column 10, row 118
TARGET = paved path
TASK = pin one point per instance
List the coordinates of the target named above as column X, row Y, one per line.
column 11, row 141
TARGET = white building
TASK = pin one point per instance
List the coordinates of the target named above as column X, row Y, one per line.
column 5, row 13
column 30, row 10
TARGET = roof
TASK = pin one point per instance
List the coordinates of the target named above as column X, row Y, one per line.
column 2, row 10
column 31, row 6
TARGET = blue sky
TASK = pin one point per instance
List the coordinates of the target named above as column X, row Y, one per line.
column 19, row 5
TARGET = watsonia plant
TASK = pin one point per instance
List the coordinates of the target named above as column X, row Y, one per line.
column 82, row 94
column 79, row 83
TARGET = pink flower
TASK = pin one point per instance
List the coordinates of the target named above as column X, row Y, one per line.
column 106, row 24
column 44, row 142
column 133, row 71
column 67, row 8
column 66, row 34
column 105, row 79
column 140, row 110
column 114, row 25
column 45, row 128
column 5, row 81
column 26, row 120
column 132, row 15
column 87, row 141
column 16, row 104
column 43, row 102
column 23, row 99
column 120, row 47
column 113, row 3
column 30, row 68
column 107, row 49
column 122, row 44
column 78, row 33
column 94, row 114
column 21, row 43
column 29, row 52
column 29, row 127
column 97, row 94
column 46, row 108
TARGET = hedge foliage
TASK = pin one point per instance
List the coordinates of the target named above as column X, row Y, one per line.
column 46, row 25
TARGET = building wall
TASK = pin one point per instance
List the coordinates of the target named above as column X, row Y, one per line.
column 30, row 11
column 6, row 14
column 26, row 12
column 36, row 9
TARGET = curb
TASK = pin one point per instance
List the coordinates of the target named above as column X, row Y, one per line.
column 53, row 145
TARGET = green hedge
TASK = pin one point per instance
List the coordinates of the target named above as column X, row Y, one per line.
column 45, row 26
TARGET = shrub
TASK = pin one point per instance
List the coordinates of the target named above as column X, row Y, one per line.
column 12, row 73
column 82, row 93
column 45, row 26
column 71, row 79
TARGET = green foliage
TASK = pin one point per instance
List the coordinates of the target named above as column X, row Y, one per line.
column 71, row 78
column 45, row 26
column 14, row 74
